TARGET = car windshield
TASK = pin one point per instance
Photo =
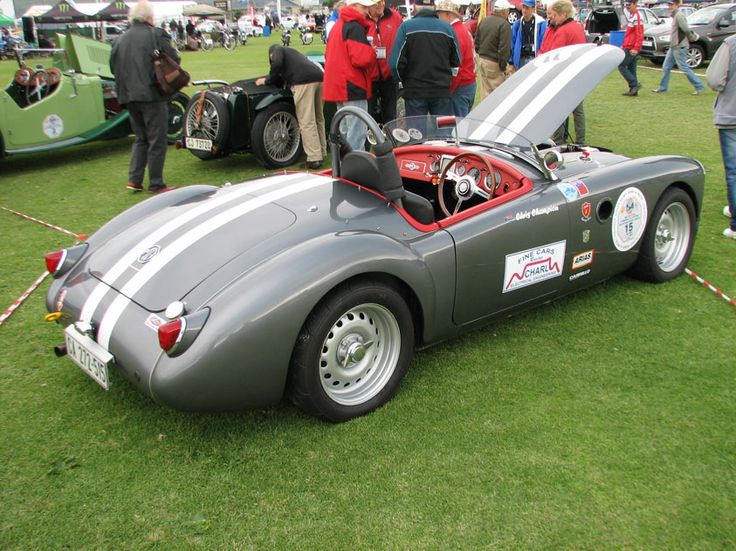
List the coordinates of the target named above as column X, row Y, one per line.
column 705, row 16
column 432, row 129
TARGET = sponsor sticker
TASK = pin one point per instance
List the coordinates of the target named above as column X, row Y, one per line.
column 53, row 126
column 586, row 209
column 586, row 236
column 583, row 259
column 533, row 266
column 153, row 322
column 413, row 166
column 573, row 190
column 629, row 219
column 573, row 277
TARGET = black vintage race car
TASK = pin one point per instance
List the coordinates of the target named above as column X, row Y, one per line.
column 243, row 117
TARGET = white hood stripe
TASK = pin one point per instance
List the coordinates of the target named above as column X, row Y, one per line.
column 119, row 268
column 543, row 101
column 171, row 251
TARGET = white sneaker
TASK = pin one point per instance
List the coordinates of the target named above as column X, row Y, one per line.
column 728, row 232
column 727, row 212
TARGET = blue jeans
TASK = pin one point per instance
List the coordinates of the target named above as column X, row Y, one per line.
column 727, row 137
column 628, row 68
column 463, row 98
column 434, row 106
column 677, row 56
column 352, row 128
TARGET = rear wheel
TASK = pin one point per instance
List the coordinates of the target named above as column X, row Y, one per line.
column 668, row 240
column 275, row 136
column 352, row 352
column 177, row 107
column 207, row 118
column 695, row 56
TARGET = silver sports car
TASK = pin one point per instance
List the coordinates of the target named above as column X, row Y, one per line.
column 319, row 286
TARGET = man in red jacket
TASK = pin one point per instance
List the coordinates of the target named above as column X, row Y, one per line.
column 349, row 64
column 386, row 22
column 463, row 84
column 563, row 30
column 632, row 45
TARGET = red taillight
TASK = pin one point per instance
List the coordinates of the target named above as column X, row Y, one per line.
column 170, row 334
column 55, row 260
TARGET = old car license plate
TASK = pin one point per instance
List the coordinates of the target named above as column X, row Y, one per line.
column 198, row 143
column 87, row 354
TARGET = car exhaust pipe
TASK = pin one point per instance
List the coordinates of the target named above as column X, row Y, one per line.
column 60, row 350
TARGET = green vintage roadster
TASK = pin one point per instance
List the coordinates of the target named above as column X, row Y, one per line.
column 69, row 98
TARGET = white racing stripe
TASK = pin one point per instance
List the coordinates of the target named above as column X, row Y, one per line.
column 171, row 251
column 517, row 126
column 109, row 278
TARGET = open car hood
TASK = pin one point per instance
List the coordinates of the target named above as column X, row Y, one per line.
column 535, row 101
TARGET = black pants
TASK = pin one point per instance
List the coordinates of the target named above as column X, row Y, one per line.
column 382, row 105
column 149, row 121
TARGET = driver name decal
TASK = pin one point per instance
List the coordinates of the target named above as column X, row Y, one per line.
column 53, row 126
column 533, row 266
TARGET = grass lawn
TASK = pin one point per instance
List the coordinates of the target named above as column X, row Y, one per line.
column 604, row 420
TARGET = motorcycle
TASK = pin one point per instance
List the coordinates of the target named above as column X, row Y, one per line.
column 306, row 36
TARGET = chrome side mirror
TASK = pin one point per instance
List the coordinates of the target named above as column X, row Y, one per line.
column 553, row 160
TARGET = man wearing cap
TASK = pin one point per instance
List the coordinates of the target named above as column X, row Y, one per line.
column 349, row 65
column 677, row 54
column 463, row 84
column 527, row 35
column 424, row 58
column 632, row 46
column 493, row 44
column 385, row 24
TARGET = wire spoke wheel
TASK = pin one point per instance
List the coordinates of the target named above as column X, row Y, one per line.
column 672, row 240
column 208, row 124
column 360, row 354
column 281, row 136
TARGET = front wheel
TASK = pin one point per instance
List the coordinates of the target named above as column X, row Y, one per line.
column 176, row 106
column 695, row 56
column 275, row 136
column 668, row 240
column 352, row 352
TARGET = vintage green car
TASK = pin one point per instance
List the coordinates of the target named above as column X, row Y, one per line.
column 69, row 99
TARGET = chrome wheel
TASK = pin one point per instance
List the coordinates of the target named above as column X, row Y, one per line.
column 281, row 136
column 672, row 238
column 360, row 354
column 694, row 57
column 208, row 125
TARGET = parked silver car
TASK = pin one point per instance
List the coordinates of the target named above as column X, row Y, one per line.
column 713, row 24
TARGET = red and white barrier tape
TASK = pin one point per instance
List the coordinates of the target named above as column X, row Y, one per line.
column 31, row 218
column 717, row 291
column 5, row 315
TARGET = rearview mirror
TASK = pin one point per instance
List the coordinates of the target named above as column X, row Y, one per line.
column 553, row 160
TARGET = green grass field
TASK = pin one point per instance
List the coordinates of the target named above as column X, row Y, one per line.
column 604, row 420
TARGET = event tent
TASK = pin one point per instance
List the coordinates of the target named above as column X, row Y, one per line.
column 64, row 12
column 115, row 11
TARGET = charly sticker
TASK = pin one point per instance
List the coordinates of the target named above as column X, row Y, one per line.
column 53, row 126
column 629, row 219
column 533, row 265
column 154, row 322
column 582, row 259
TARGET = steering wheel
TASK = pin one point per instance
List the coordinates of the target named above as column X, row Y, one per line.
column 39, row 81
column 335, row 138
column 465, row 186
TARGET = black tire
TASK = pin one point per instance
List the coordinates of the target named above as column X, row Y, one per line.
column 669, row 238
column 177, row 107
column 275, row 136
column 695, row 56
column 214, row 124
column 337, row 372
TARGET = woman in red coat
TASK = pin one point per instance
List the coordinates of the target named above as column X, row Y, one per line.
column 563, row 30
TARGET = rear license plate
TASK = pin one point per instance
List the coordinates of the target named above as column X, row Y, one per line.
column 87, row 354
column 198, row 144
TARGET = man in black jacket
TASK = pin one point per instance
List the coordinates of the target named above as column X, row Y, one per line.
column 131, row 63
column 291, row 69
